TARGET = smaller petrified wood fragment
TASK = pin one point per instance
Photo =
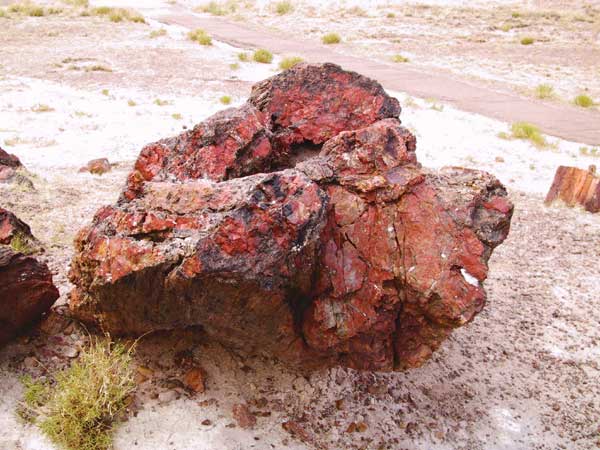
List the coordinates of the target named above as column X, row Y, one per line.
column 26, row 288
column 576, row 187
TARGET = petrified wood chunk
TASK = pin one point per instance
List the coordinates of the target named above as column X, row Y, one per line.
column 300, row 225
column 576, row 187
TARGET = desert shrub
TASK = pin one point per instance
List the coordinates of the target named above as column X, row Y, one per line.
column 399, row 58
column 226, row 99
column 243, row 56
column 527, row 40
column 390, row 15
column 176, row 116
column 262, row 56
column 131, row 103
column 289, row 62
column 98, row 68
column 41, row 108
column 102, row 11
column 160, row 102
column 218, row 8
column 80, row 3
column 284, row 7
column 80, row 407
column 544, row 91
column 20, row 244
column 3, row 13
column 118, row 14
column 105, row 92
column 593, row 152
column 234, row 66
column 585, row 101
column 331, row 38
column 200, row 36
column 158, row 33
column 35, row 11
column 528, row 131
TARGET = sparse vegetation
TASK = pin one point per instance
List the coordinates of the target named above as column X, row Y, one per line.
column 399, row 58
column 390, row 15
column 584, row 101
column 289, row 62
column 98, row 68
column 356, row 11
column 160, row 102
column 80, row 3
column 20, row 244
column 200, row 36
column 105, row 92
column 527, row 40
column 131, row 103
column 593, row 152
column 226, row 99
column 331, row 38
column 41, row 108
column 234, row 66
column 118, row 14
column 544, row 91
column 79, row 408
column 262, row 56
column 218, row 8
column 3, row 13
column 284, row 7
column 158, row 33
column 243, row 56
column 528, row 131
column 176, row 116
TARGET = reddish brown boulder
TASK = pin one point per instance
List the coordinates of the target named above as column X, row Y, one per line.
column 9, row 170
column 26, row 288
column 300, row 225
column 97, row 166
column 9, row 160
column 575, row 187
column 17, row 234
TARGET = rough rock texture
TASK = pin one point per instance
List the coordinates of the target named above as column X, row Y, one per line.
column 576, row 187
column 299, row 225
column 97, row 166
column 26, row 288
column 16, row 233
column 9, row 170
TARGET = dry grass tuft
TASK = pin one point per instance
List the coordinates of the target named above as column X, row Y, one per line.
column 527, row 40
column 331, row 38
column 80, row 407
column 262, row 56
column 529, row 132
column 584, row 101
column 200, row 36
column 399, row 58
column 226, row 99
column 289, row 62
column 284, row 7
column 544, row 91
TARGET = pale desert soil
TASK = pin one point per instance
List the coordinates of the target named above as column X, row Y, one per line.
column 523, row 375
column 479, row 41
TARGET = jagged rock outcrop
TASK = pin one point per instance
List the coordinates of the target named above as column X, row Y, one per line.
column 26, row 288
column 300, row 225
column 576, row 187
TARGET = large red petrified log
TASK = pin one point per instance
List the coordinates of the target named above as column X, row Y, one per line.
column 576, row 187
column 300, row 225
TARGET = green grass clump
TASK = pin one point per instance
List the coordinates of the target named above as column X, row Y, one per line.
column 3, row 13
column 176, row 116
column 262, row 56
column 80, row 408
column 527, row 40
column 226, row 99
column 284, row 7
column 289, row 62
column 584, row 151
column 528, row 131
column 160, row 102
column 243, row 56
column 105, row 92
column 158, row 33
column 399, row 59
column 331, row 38
column 234, row 66
column 118, row 14
column 20, row 244
column 585, row 101
column 200, row 36
column 544, row 91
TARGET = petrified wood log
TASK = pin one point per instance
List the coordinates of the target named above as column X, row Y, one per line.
column 576, row 187
column 300, row 225
column 26, row 288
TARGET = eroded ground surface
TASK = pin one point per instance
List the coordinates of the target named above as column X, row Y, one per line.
column 523, row 375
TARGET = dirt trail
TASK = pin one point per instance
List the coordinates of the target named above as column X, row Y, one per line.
column 560, row 120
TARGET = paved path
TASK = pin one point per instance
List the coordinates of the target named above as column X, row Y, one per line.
column 561, row 120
